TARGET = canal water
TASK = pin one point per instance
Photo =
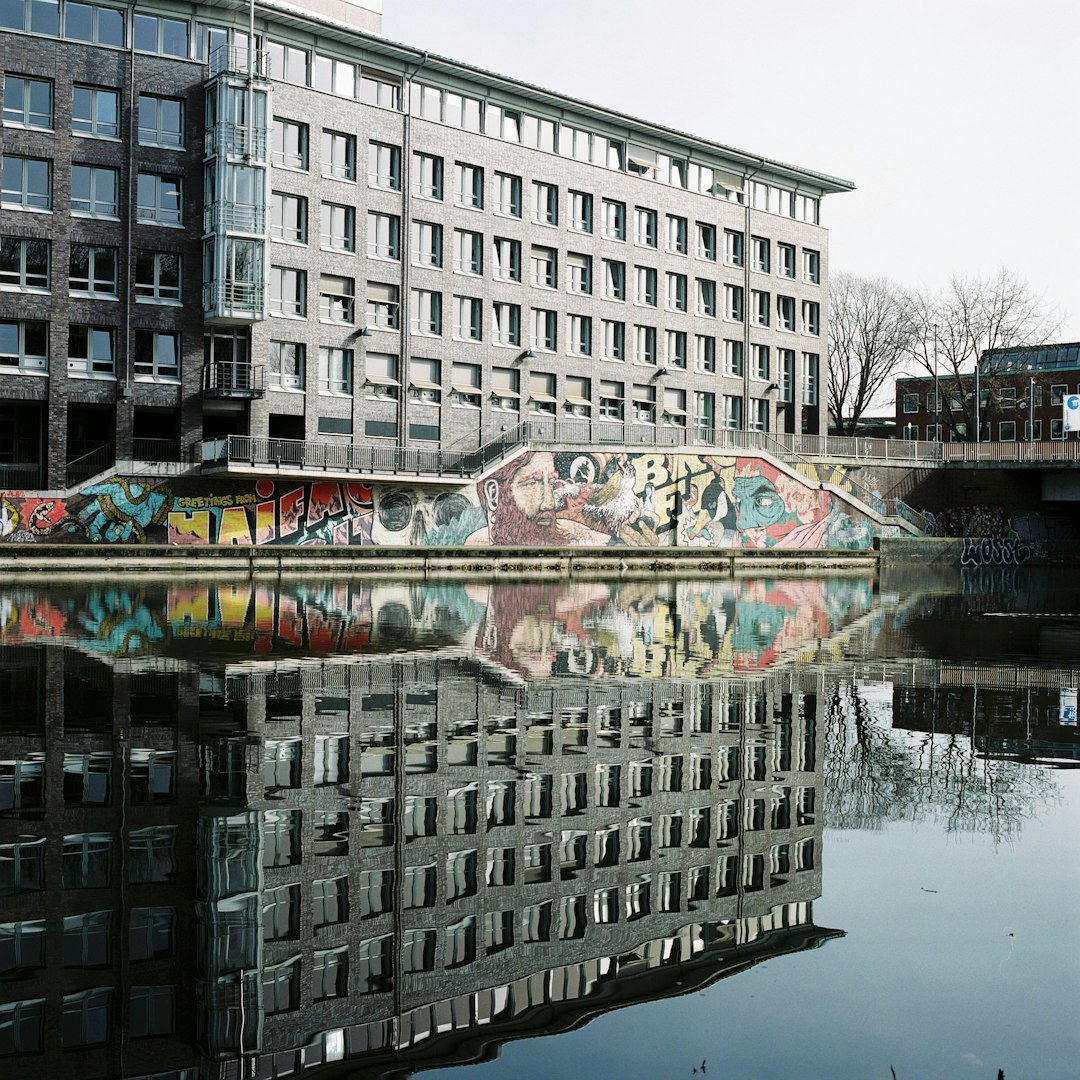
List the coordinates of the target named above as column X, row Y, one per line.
column 737, row 828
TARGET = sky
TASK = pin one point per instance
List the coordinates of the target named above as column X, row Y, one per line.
column 956, row 121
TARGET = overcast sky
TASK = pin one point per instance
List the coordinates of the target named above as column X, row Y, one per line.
column 957, row 121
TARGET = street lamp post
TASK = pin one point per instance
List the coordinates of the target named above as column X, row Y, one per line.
column 978, row 404
column 937, row 398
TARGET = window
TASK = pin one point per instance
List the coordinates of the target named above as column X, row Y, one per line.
column 611, row 400
column 677, row 233
column 644, row 402
column 644, row 226
column 704, row 412
column 24, row 346
column 93, row 270
column 706, row 241
column 339, row 155
column 161, row 121
column 545, row 203
column 427, row 312
column 579, row 273
column 612, row 340
column 785, row 260
column 759, row 414
column 503, row 123
column 157, row 355
column 468, row 252
column 1007, row 431
column 705, row 353
column 507, row 259
column 95, row 112
column 160, row 200
column 674, row 414
column 614, row 280
column 785, row 312
column 733, row 358
column 811, row 266
column 676, row 292
column 286, row 365
column 760, row 358
column 706, row 297
column 759, row 307
column 579, row 335
column 465, row 385
column 384, row 166
column 157, row 277
column 335, row 371
column 24, row 264
column 337, row 299
column 732, row 412
column 578, row 396
column 811, row 317
column 505, row 389
column 581, row 211
column 425, row 380
column 28, row 102
column 288, row 218
column 337, row 227
column 288, row 292
column 645, row 285
column 384, row 307
column 675, row 348
column 469, row 185
column 289, row 144
column 333, row 76
column 645, row 345
column 545, row 332
column 733, row 247
column 911, row 403
column 91, row 350
column 383, row 235
column 760, row 259
column 785, row 362
column 427, row 244
column 508, row 194
column 542, row 399
column 25, row 183
column 1058, row 392
column 506, row 324
column 95, row 191
column 158, row 34
column 544, row 271
column 811, row 363
column 468, row 319
column 614, row 219
column 381, row 381
column 427, row 176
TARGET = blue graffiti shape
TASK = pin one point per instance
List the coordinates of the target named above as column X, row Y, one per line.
column 120, row 512
column 118, row 624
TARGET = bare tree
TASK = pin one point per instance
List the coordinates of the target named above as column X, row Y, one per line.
column 871, row 331
column 955, row 327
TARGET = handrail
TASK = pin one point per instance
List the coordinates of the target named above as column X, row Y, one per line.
column 90, row 464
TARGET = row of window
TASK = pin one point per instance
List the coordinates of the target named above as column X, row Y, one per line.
column 1007, row 431
column 91, row 350
column 95, row 110
column 1008, row 397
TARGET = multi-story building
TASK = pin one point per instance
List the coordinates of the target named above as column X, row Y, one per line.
column 1021, row 395
column 269, row 220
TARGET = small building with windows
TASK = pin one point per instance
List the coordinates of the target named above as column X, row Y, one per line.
column 1021, row 397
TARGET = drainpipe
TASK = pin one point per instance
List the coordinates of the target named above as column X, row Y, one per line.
column 126, row 389
column 746, row 292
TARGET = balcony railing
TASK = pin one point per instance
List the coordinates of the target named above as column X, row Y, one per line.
column 234, row 217
column 155, row 449
column 238, row 140
column 90, row 464
column 233, row 60
column 21, row 477
column 234, row 299
column 232, row 380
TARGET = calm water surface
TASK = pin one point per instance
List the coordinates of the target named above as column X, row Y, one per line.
column 761, row 828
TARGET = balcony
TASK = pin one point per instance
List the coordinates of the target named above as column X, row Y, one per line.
column 230, row 380
column 237, row 140
column 155, row 449
column 233, row 60
column 21, row 477
column 234, row 217
column 234, row 301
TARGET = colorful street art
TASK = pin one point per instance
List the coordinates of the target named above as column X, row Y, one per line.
column 539, row 498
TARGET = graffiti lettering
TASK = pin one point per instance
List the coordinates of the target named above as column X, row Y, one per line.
column 994, row 552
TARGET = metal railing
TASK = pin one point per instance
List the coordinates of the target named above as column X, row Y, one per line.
column 155, row 449
column 20, row 477
column 232, row 298
column 90, row 464
column 233, row 60
column 1004, row 453
column 234, row 217
column 237, row 140
column 227, row 379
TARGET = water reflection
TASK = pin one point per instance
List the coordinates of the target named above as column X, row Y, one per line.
column 253, row 831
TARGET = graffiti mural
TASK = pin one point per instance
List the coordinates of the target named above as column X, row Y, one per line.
column 581, row 498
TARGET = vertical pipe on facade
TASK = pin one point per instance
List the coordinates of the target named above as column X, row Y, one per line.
column 746, row 293
column 405, row 243
column 132, row 181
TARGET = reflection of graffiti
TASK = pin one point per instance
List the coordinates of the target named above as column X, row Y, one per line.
column 996, row 552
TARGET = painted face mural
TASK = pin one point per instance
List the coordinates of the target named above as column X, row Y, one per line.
column 758, row 503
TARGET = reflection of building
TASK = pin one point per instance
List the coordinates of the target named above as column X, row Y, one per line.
column 339, row 239
column 317, row 861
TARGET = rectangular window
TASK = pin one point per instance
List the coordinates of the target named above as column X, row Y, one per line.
column 705, row 353
column 333, row 76
column 337, row 227
column 706, row 241
column 383, row 236
column 468, row 252
column 338, row 155
column 544, row 269
column 508, row 194
column 93, row 270
column 427, row 242
column 759, row 414
column 785, row 260
column 157, row 34
column 24, row 264
column 465, row 385
column 733, row 247
column 760, row 254
column 24, row 346
column 677, row 235
column 427, row 176
column 759, row 307
column 644, row 226
column 911, row 403
column 732, row 412
column 579, row 335
column 468, row 318
column 704, row 414
column 427, row 312
column 577, row 399
column 645, row 286
column 28, row 102
column 157, row 355
column 545, row 203
column 733, row 358
column 506, row 259
column 614, row 286
column 811, row 363
column 1058, row 392
column 579, row 273
column 506, row 324
column 811, row 266
column 286, row 365
column 706, row 297
column 337, row 299
column 760, row 355
column 1007, row 431
column 157, row 277
column 612, row 340
column 674, row 414
column 469, row 185
column 335, row 371
column 545, row 332
column 506, row 389
column 542, row 399
column 611, row 400
column 675, row 348
column 289, row 144
column 811, row 317
column 785, row 360
column 645, row 345
column 95, row 111
column 95, row 191
column 676, row 292
column 384, row 307
column 581, row 211
column 288, row 218
column 91, row 350
column 288, row 291
column 785, row 312
column 384, row 166
column 614, row 219
column 644, row 402
column 160, row 199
